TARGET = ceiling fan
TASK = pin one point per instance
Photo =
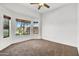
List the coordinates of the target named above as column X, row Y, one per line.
column 41, row 5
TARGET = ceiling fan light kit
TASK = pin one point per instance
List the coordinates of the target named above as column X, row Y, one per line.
column 41, row 5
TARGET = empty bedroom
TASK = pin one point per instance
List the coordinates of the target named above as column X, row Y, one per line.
column 39, row 29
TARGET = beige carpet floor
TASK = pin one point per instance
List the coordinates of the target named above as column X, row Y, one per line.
column 39, row 47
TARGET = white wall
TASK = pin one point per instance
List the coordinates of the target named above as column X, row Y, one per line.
column 4, row 42
column 60, row 25
column 78, row 26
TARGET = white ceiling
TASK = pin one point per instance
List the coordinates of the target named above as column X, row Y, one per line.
column 44, row 9
column 33, row 8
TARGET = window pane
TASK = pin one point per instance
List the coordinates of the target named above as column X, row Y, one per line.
column 23, row 27
column 35, row 30
column 6, row 26
column 35, row 27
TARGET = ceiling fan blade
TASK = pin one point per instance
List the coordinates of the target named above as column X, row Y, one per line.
column 39, row 7
column 34, row 3
column 46, row 5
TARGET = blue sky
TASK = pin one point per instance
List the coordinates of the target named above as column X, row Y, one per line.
column 18, row 24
